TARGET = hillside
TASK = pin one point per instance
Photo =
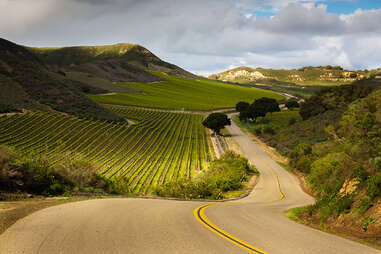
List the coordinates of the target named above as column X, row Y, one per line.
column 333, row 143
column 26, row 82
column 59, row 78
column 119, row 62
column 183, row 93
column 321, row 75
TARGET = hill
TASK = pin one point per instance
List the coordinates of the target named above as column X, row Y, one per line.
column 59, row 78
column 320, row 75
column 119, row 62
column 301, row 82
column 27, row 82
column 333, row 142
column 183, row 93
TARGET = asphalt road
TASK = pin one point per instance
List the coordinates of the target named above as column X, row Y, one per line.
column 165, row 226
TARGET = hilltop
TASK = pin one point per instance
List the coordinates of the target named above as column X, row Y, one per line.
column 119, row 62
column 28, row 83
column 309, row 75
column 61, row 78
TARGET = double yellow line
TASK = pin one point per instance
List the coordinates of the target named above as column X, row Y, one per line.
column 199, row 214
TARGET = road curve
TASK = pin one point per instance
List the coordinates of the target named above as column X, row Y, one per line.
column 164, row 226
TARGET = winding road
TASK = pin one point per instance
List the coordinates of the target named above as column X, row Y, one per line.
column 254, row 224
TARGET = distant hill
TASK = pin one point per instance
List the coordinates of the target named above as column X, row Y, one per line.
column 59, row 78
column 321, row 75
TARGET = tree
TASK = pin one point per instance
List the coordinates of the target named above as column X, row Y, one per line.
column 290, row 104
column 242, row 106
column 216, row 122
column 255, row 111
column 244, row 115
column 261, row 107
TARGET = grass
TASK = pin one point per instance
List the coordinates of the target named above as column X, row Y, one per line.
column 188, row 94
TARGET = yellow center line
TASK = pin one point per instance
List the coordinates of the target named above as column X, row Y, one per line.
column 199, row 214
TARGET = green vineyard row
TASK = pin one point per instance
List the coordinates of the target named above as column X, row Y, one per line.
column 160, row 147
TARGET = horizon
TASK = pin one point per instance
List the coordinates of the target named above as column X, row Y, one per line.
column 209, row 37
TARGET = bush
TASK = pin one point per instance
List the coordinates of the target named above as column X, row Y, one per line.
column 326, row 174
column 291, row 121
column 373, row 189
column 225, row 174
column 36, row 174
column 290, row 104
column 258, row 131
column 268, row 130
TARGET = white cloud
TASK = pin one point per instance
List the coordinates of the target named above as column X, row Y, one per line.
column 203, row 36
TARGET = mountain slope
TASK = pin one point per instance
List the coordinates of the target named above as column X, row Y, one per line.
column 119, row 62
column 27, row 82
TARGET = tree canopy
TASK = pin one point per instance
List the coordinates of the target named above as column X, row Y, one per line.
column 216, row 122
column 242, row 106
column 290, row 104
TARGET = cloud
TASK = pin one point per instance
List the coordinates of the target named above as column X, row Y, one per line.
column 203, row 36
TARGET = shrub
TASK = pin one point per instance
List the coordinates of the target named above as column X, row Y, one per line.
column 373, row 189
column 268, row 130
column 224, row 174
column 258, row 131
column 365, row 204
column 291, row 121
column 36, row 174
column 326, row 174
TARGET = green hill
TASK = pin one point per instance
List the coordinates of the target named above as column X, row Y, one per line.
column 26, row 82
column 182, row 93
column 334, row 143
column 119, row 62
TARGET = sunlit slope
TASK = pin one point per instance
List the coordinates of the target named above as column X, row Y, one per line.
column 158, row 148
column 182, row 93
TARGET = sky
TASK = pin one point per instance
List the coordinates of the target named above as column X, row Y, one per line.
column 208, row 36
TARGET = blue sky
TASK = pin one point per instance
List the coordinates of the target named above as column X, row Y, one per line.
column 333, row 6
column 346, row 7
column 208, row 36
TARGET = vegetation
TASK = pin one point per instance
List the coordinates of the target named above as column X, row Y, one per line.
column 20, row 172
column 292, row 103
column 159, row 148
column 29, row 83
column 338, row 149
column 182, row 93
column 216, row 122
column 242, row 106
column 223, row 175
column 259, row 108
column 332, row 99
column 306, row 76
column 119, row 62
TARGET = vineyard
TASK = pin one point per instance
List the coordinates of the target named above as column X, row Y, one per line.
column 160, row 147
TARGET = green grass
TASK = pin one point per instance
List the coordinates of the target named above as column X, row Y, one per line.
column 160, row 147
column 188, row 94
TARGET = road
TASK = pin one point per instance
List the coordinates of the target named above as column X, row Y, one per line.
column 167, row 226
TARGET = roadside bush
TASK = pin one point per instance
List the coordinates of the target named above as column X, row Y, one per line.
column 291, row 121
column 373, row 189
column 225, row 174
column 326, row 174
column 365, row 204
column 333, row 205
column 268, row 130
column 258, row 131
